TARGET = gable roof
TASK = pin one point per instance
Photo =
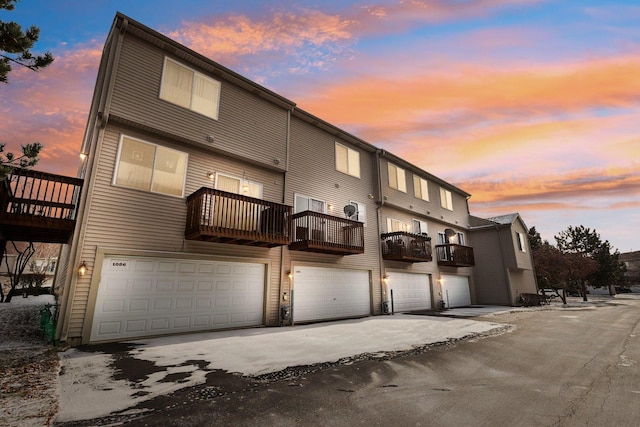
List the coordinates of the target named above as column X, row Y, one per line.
column 502, row 220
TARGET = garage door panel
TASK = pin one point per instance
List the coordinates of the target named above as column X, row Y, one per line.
column 146, row 296
column 411, row 291
column 455, row 291
column 322, row 293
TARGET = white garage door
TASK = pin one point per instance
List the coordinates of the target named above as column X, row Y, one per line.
column 145, row 296
column 322, row 293
column 410, row 291
column 455, row 291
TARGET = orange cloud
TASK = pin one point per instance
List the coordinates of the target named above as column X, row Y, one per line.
column 51, row 107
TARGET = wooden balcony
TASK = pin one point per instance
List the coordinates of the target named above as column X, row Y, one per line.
column 406, row 247
column 38, row 206
column 222, row 217
column 322, row 233
column 454, row 255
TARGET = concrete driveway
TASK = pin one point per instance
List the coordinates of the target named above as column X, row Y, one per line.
column 96, row 381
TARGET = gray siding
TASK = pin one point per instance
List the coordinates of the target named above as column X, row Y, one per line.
column 247, row 125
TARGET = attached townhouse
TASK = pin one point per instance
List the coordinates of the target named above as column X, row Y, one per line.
column 211, row 202
column 504, row 260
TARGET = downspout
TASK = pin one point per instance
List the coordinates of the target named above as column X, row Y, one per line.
column 378, row 157
column 284, row 198
column 99, row 122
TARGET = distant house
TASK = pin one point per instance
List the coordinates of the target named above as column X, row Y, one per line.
column 631, row 260
column 504, row 262
column 210, row 202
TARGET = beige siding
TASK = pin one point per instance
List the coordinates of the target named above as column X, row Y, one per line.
column 130, row 219
column 490, row 272
column 313, row 173
column 247, row 126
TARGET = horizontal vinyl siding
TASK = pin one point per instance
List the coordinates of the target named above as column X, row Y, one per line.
column 409, row 201
column 131, row 219
column 247, row 125
column 313, row 174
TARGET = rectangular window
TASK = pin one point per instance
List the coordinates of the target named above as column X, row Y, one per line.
column 420, row 188
column 460, row 236
column 521, row 242
column 394, row 225
column 397, row 178
column 445, row 199
column 347, row 160
column 419, row 226
column 237, row 185
column 189, row 89
column 150, row 167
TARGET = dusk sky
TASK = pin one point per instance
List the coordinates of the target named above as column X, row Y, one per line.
column 531, row 106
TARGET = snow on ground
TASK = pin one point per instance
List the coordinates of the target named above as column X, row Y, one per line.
column 88, row 390
column 29, row 366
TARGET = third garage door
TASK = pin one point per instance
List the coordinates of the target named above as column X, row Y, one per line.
column 322, row 293
column 455, row 291
column 410, row 291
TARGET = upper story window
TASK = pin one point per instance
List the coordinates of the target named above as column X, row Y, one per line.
column 461, row 239
column 190, row 89
column 237, row 185
column 150, row 167
column 397, row 178
column 420, row 188
column 521, row 242
column 445, row 199
column 347, row 160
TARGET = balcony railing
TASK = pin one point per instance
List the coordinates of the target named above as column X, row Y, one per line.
column 38, row 206
column 318, row 232
column 219, row 216
column 453, row 255
column 406, row 247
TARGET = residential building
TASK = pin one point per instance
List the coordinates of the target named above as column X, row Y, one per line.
column 210, row 202
column 631, row 261
column 504, row 260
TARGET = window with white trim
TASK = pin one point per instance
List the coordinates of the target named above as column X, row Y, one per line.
column 521, row 242
column 361, row 212
column 149, row 167
column 394, row 225
column 460, row 237
column 238, row 185
column 190, row 89
column 397, row 178
column 347, row 160
column 419, row 226
column 445, row 199
column 420, row 188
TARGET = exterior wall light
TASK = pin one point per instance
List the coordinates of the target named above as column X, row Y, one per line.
column 82, row 270
column 83, row 155
column 385, row 279
column 210, row 175
column 289, row 274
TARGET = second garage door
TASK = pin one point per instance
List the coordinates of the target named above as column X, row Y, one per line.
column 322, row 293
column 455, row 291
column 144, row 296
column 410, row 291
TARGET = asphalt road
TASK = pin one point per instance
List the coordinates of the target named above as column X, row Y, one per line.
column 555, row 368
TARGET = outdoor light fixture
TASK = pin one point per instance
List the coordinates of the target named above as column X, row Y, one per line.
column 83, row 155
column 210, row 175
column 289, row 274
column 385, row 278
column 82, row 269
